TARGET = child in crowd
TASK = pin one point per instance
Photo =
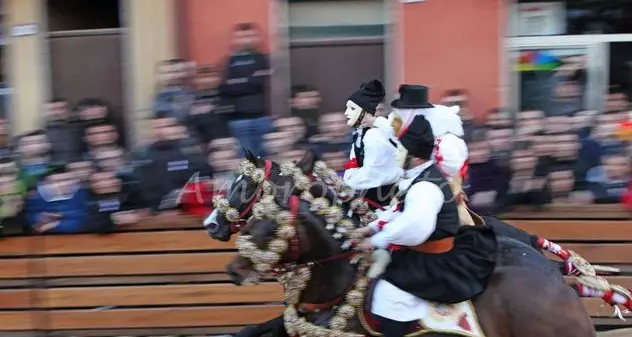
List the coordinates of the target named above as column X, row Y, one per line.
column 58, row 204
column 110, row 206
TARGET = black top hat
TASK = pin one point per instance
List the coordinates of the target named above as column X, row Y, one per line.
column 418, row 138
column 412, row 97
column 369, row 96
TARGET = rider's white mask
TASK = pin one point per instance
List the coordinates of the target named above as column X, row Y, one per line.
column 353, row 113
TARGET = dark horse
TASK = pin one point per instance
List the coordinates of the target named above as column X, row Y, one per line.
column 245, row 192
column 544, row 306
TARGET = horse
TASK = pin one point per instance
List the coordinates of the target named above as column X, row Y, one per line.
column 245, row 191
column 329, row 293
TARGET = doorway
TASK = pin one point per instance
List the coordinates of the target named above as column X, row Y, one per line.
column 86, row 53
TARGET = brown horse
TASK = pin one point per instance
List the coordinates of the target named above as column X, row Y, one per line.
column 544, row 306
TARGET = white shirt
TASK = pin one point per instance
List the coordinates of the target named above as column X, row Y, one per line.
column 418, row 220
column 379, row 166
column 410, row 227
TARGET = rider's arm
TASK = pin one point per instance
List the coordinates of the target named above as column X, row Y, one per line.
column 376, row 169
column 418, row 220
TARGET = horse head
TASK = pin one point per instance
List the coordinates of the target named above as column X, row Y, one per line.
column 256, row 176
column 275, row 241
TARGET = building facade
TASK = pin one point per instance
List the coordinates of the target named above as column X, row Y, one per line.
column 495, row 49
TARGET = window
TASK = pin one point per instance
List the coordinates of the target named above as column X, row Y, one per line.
column 80, row 14
column 336, row 19
column 571, row 17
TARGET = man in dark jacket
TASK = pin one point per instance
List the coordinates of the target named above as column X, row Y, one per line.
column 168, row 165
column 61, row 132
column 244, row 88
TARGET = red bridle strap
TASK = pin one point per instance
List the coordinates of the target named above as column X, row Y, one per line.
column 295, row 251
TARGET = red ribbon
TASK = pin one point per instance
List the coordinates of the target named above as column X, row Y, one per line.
column 351, row 164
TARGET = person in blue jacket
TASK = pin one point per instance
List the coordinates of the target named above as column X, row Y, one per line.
column 58, row 204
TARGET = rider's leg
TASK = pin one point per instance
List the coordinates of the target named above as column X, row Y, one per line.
column 391, row 328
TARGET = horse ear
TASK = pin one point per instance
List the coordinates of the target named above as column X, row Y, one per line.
column 250, row 156
column 307, row 163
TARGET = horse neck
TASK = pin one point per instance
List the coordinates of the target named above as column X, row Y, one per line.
column 332, row 278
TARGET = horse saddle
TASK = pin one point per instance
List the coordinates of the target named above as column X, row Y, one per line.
column 452, row 319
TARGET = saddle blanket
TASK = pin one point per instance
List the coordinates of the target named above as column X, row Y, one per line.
column 459, row 319
column 452, row 319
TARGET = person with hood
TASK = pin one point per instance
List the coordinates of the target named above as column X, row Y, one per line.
column 372, row 167
column 450, row 152
column 432, row 257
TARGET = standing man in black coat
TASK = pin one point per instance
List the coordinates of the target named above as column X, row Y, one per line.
column 244, row 88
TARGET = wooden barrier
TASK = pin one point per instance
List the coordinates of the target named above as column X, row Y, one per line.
column 168, row 278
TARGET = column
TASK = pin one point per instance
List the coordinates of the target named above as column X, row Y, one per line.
column 25, row 65
column 151, row 38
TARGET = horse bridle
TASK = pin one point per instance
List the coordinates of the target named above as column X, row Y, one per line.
column 232, row 215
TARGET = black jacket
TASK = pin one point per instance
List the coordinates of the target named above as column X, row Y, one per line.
column 168, row 166
column 248, row 97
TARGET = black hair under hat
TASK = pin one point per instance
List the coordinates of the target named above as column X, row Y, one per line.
column 369, row 96
column 418, row 138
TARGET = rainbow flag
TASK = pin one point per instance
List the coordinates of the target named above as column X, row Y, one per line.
column 537, row 60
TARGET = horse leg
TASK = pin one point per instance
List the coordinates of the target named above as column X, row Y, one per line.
column 543, row 307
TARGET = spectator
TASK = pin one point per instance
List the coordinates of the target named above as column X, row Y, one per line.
column 168, row 166
column 527, row 184
column 568, row 98
column 305, row 104
column 110, row 160
column 223, row 160
column 276, row 143
column 489, row 170
column 244, row 88
column 12, row 193
column 100, row 137
column 560, row 184
column 529, row 122
column 207, row 116
column 294, row 126
column 109, row 207
column 58, row 205
column 460, row 98
column 226, row 143
column 335, row 135
column 61, row 133
column 33, row 153
column 609, row 181
column 82, row 170
column 174, row 97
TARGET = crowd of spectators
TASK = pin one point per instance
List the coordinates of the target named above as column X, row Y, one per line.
column 538, row 157
column 75, row 175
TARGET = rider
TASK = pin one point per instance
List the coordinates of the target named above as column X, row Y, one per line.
column 433, row 257
column 372, row 167
column 450, row 152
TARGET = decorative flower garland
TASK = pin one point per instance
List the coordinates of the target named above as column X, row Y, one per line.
column 247, row 169
column 295, row 280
